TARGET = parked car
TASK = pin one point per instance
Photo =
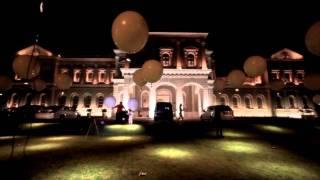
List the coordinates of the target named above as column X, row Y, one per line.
column 163, row 112
column 225, row 113
column 56, row 112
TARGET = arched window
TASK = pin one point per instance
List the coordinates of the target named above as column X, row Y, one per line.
column 165, row 59
column 305, row 102
column 28, row 99
column 99, row 101
column 62, row 100
column 292, row 102
column 222, row 100
column 87, row 101
column 260, row 102
column 247, row 101
column 43, row 100
column 14, row 100
column 75, row 101
column 190, row 60
column 235, row 102
column 278, row 102
column 145, row 100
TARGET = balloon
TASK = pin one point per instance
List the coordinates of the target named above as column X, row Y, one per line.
column 152, row 70
column 219, row 84
column 312, row 82
column 109, row 101
column 277, row 85
column 130, row 31
column 27, row 67
column 255, row 66
column 133, row 104
column 138, row 78
column 236, row 78
column 316, row 99
column 63, row 82
column 38, row 85
column 5, row 83
column 312, row 39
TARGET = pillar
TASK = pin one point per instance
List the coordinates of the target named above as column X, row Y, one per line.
column 152, row 101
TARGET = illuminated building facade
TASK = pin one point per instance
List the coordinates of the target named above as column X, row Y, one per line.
column 188, row 78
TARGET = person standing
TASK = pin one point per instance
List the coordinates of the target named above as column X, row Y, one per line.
column 119, row 111
column 180, row 112
column 130, row 119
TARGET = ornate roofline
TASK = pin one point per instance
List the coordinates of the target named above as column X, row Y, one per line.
column 130, row 71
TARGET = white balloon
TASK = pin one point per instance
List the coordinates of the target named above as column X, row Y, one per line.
column 255, row 66
column 312, row 39
column 236, row 78
column 5, row 83
column 130, row 32
column 27, row 67
column 277, row 85
column 64, row 81
column 109, row 101
column 138, row 78
column 152, row 70
column 219, row 84
column 133, row 104
column 38, row 85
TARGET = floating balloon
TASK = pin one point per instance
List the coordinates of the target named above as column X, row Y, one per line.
column 130, row 32
column 255, row 66
column 219, row 84
column 38, row 85
column 27, row 67
column 133, row 104
column 236, row 78
column 5, row 83
column 63, row 82
column 277, row 85
column 312, row 82
column 138, row 78
column 316, row 99
column 109, row 101
column 312, row 39
column 152, row 69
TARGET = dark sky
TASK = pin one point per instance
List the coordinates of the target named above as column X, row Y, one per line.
column 236, row 29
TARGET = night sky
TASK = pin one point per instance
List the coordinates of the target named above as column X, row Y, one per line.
column 236, row 29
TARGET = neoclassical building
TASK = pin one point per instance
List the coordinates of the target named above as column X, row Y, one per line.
column 188, row 79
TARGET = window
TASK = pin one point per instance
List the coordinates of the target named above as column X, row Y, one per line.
column 89, row 75
column 165, row 58
column 100, row 100
column 87, row 101
column 259, row 102
column 190, row 60
column 14, row 100
column 76, row 75
column 222, row 100
column 278, row 102
column 247, row 101
column 235, row 102
column 102, row 76
column 75, row 101
column 145, row 100
column 43, row 100
column 291, row 102
column 275, row 74
column 28, row 99
column 17, row 77
column 62, row 100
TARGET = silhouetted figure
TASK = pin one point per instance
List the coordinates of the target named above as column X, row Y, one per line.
column 180, row 112
column 119, row 111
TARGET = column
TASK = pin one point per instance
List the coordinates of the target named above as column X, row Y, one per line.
column 203, row 56
column 205, row 98
column 126, row 95
column 152, row 101
column 179, row 63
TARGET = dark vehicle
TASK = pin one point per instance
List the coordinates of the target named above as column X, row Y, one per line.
column 123, row 117
column 26, row 112
column 220, row 111
column 163, row 112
